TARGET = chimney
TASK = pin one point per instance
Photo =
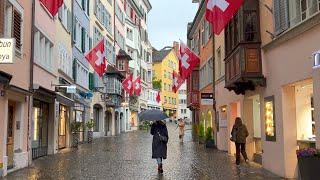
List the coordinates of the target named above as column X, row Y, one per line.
column 176, row 47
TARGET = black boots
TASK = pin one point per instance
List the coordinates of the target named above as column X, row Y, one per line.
column 160, row 170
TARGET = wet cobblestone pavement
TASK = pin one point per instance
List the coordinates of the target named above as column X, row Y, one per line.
column 128, row 156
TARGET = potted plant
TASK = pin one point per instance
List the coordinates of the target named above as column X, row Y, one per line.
column 309, row 163
column 75, row 129
column 90, row 124
column 209, row 138
column 201, row 133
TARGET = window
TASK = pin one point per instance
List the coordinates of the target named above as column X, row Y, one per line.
column 65, row 60
column 13, row 24
column 85, row 6
column 103, row 15
column 43, row 51
column 81, row 75
column 110, row 53
column 149, row 76
column 65, row 17
column 129, row 34
column 181, row 111
column 203, row 36
column 121, row 65
column 120, row 39
column 119, row 13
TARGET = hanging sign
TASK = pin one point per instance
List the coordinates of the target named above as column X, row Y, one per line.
column 71, row 89
column 206, row 98
column 7, row 50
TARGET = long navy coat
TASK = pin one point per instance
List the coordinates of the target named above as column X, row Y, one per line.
column 159, row 148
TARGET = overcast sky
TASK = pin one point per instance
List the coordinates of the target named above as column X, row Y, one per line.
column 168, row 21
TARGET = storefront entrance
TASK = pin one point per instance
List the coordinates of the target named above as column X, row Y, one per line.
column 108, row 123
column 39, row 142
column 10, row 135
column 64, row 118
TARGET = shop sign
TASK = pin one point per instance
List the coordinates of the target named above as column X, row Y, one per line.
column 71, row 89
column 206, row 98
column 7, row 50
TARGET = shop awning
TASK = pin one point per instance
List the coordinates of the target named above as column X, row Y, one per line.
column 64, row 100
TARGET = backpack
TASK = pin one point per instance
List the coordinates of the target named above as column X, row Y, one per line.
column 233, row 137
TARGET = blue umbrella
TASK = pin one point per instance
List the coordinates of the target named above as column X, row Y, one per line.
column 152, row 115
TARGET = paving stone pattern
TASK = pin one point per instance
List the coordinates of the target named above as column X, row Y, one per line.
column 128, row 156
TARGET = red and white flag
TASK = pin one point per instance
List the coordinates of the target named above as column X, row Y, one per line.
column 52, row 5
column 127, row 85
column 188, row 60
column 137, row 86
column 97, row 58
column 158, row 98
column 177, row 81
column 220, row 12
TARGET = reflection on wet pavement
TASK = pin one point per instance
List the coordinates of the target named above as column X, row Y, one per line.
column 128, row 156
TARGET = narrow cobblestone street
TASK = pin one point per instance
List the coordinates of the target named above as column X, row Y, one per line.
column 128, row 156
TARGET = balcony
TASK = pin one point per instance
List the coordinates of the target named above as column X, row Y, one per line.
column 193, row 100
column 244, row 68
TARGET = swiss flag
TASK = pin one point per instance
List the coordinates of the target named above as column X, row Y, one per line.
column 97, row 58
column 177, row 81
column 127, row 85
column 188, row 60
column 220, row 12
column 158, row 98
column 137, row 86
column 52, row 5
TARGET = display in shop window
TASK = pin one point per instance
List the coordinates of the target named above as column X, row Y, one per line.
column 270, row 127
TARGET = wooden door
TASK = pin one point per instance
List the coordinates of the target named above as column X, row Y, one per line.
column 10, row 135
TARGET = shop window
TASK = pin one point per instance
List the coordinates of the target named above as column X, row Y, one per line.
column 270, row 125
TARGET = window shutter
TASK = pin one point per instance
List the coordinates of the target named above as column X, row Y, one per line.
column 16, row 33
column 88, row 5
column 74, row 70
column 74, row 30
column 83, row 4
column 281, row 20
column 69, row 20
column 90, row 43
column 2, row 5
column 83, row 38
column 91, row 81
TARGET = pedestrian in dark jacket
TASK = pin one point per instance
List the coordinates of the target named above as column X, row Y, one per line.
column 241, row 133
column 159, row 142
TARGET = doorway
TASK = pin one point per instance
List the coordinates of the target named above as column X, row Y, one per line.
column 10, row 135
column 64, row 116
column 107, row 124
column 117, row 123
column 39, row 142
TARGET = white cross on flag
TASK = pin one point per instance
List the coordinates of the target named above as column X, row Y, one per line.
column 97, row 58
column 127, row 85
column 177, row 81
column 137, row 86
column 220, row 12
column 188, row 60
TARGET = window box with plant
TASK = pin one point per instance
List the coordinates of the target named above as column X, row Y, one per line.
column 75, row 130
column 209, row 138
column 309, row 163
column 90, row 125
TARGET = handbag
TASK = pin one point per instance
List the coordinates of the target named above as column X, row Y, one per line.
column 162, row 138
column 233, row 137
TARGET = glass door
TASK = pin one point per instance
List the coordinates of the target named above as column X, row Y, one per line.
column 10, row 135
column 62, row 126
column 39, row 143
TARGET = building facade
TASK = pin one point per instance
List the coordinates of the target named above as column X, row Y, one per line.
column 252, row 80
column 164, row 63
column 15, row 98
column 182, row 110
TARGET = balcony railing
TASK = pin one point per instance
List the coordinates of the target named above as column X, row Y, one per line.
column 244, row 68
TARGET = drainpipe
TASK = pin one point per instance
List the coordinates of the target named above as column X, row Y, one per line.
column 214, row 86
column 31, row 81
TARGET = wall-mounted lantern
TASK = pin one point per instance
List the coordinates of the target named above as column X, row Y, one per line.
column 316, row 60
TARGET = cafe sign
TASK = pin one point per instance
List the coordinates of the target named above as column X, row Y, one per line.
column 7, row 50
column 206, row 98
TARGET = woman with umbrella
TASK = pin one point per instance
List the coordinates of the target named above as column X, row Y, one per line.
column 160, row 134
column 159, row 142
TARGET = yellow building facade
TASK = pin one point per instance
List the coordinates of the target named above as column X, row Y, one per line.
column 164, row 63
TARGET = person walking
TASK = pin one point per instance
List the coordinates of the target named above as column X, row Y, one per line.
column 181, row 125
column 159, row 142
column 239, row 135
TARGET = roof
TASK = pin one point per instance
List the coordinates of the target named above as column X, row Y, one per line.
column 158, row 56
column 123, row 55
column 196, row 20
